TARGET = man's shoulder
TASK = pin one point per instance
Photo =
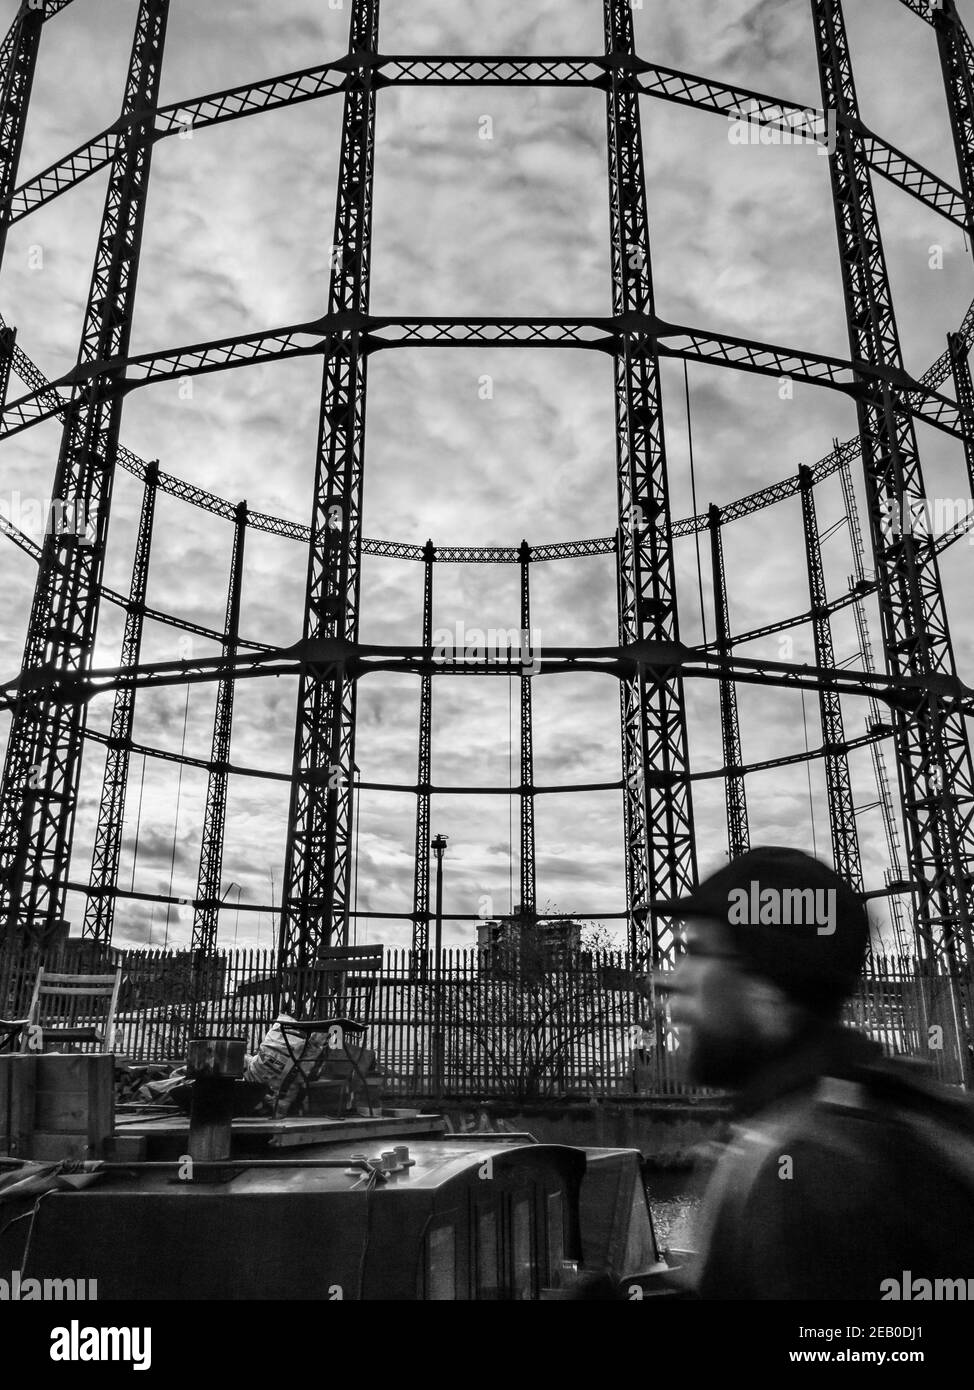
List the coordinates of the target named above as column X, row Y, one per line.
column 886, row 1127
column 834, row 1126
column 826, row 1190
column 796, row 1181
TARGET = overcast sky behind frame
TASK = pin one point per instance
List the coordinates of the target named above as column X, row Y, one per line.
column 238, row 231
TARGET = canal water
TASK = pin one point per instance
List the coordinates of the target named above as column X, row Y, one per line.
column 674, row 1199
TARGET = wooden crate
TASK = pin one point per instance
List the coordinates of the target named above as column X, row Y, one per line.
column 18, row 1073
column 74, row 1108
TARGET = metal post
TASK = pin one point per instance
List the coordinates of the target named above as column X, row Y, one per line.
column 528, row 886
column 421, row 879
column 204, row 967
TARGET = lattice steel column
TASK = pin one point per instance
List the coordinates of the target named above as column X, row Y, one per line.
column 660, row 855
column 316, row 875
column 904, row 937
column 964, row 390
column 206, row 917
column 528, row 886
column 44, row 751
column 842, row 811
column 103, row 880
column 933, row 754
column 421, row 878
column 735, row 795
column 17, row 78
column 8, row 341
column 955, row 60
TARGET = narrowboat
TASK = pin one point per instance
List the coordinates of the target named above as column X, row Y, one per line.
column 386, row 1205
column 389, row 1208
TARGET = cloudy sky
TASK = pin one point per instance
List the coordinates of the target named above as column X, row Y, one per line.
column 238, row 232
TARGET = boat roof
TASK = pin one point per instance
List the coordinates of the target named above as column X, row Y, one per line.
column 434, row 1162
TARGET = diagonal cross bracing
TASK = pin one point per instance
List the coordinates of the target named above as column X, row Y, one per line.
column 333, row 334
column 308, row 84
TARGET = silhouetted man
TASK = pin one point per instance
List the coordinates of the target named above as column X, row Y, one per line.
column 846, row 1176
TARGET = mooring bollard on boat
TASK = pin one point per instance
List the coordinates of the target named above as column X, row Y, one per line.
column 213, row 1066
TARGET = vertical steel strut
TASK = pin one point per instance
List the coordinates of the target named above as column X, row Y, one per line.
column 103, row 880
column 19, row 61
column 206, row 916
column 842, row 811
column 903, row 936
column 933, row 754
column 317, row 867
column 735, row 795
column 8, row 341
column 421, row 878
column 957, row 63
column 41, row 771
column 528, row 887
column 658, row 814
column 964, row 391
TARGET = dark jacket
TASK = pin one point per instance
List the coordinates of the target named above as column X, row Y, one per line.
column 835, row 1182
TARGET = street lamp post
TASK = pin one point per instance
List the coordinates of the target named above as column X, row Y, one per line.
column 354, row 819
column 236, row 920
column 226, row 893
column 438, row 846
column 202, row 968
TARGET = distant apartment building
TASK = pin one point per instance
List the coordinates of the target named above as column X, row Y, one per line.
column 529, row 941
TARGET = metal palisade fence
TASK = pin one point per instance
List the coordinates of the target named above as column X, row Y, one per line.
column 519, row 1030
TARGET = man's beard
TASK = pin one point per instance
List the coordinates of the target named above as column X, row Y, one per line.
column 724, row 1061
